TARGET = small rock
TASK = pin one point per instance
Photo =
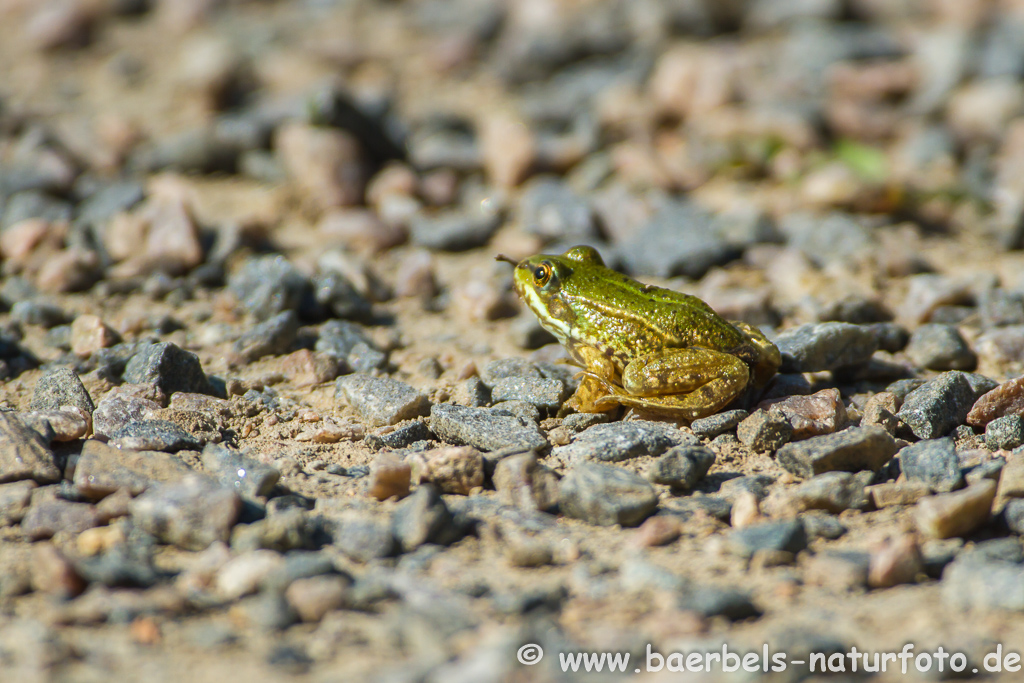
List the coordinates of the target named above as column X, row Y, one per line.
column 268, row 285
column 976, row 584
column 825, row 346
column 897, row 561
column 1013, row 515
column 682, row 467
column 881, row 410
column 71, row 270
column 89, row 334
column 831, row 491
column 53, row 574
column 363, row 537
column 15, row 499
column 550, row 209
column 937, row 407
column 546, row 394
column 838, row 569
column 381, row 400
column 497, row 370
column 484, row 429
column 1006, row 399
column 1005, row 433
column 680, row 239
column 657, row 531
column 399, row 437
column 314, row 597
column 746, row 510
column 61, row 387
column 709, row 601
column 70, row 423
column 170, row 368
column 898, row 493
column 851, row 450
column 306, row 368
column 522, row 482
column 346, row 341
column 933, row 462
column 958, row 513
column 414, row 276
column 814, row 415
column 454, row 469
column 788, row 536
column 605, row 495
column 38, row 313
column 617, row 441
column 940, row 347
column 243, row 574
column 1011, row 482
column 49, row 517
column 325, row 163
column 103, row 470
column 154, row 435
column 389, row 477
column 453, row 231
column 272, row 337
column 191, row 513
column 720, row 423
column 238, row 471
column 115, row 411
column 24, row 453
column 765, row 431
column 421, row 518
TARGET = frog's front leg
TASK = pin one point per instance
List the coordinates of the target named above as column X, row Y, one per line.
column 691, row 383
column 600, row 372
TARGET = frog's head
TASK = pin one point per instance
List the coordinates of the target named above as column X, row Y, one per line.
column 540, row 281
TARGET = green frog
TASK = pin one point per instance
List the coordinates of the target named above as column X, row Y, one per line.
column 639, row 345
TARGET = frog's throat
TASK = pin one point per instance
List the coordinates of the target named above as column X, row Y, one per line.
column 560, row 328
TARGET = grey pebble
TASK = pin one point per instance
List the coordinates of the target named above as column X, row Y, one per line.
column 38, row 313
column 712, row 601
column 940, row 347
column 604, row 495
column 381, row 400
column 268, row 285
column 716, row 507
column 719, row 423
column 756, row 484
column 402, row 436
column 453, row 231
column 617, row 441
column 60, row 386
column 1005, row 432
column 24, row 454
column 238, row 471
column 552, row 210
column 1000, row 308
column 154, row 435
column 814, row 347
column 577, row 422
column 765, row 431
column 983, row 585
column 788, row 535
column 822, row 525
column 892, row 337
column 832, row 492
column 421, row 518
column 933, row 462
column 1013, row 515
column 937, row 407
column 170, row 368
column 15, row 499
column 682, row 467
column 347, row 342
column 103, row 470
column 337, row 294
column 680, row 239
column 521, row 409
column 49, row 517
column 363, row 537
column 191, row 513
column 484, row 429
column 115, row 411
column 545, row 394
column 508, row 367
column 851, row 450
column 272, row 337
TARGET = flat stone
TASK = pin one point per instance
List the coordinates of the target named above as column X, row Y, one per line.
column 38, row 313
column 60, row 387
column 522, row 482
column 940, row 347
column 503, row 368
column 617, row 441
column 881, row 410
column 711, row 601
column 15, row 499
column 24, row 453
column 937, row 407
column 235, row 469
column 831, row 491
column 453, row 469
column 604, row 495
column 483, row 429
column 898, row 493
column 89, row 334
column 851, row 450
column 363, row 537
column 390, row 477
column 70, row 423
column 838, row 569
column 682, row 467
column 454, row 231
column 306, row 368
column 546, row 394
column 47, row 518
column 787, row 536
column 679, row 239
column 191, row 513
column 154, row 435
column 272, row 337
column 421, row 518
column 268, row 285
column 1011, row 481
column 1013, row 514
column 350, row 346
column 398, row 437
column 1005, row 433
column 170, row 368
column 896, row 562
column 958, row 513
column 719, row 423
column 381, row 400
column 970, row 584
column 814, row 415
column 103, row 470
column 1005, row 399
column 115, row 411
column 933, row 462
column 312, row 598
column 765, row 431
column 814, row 347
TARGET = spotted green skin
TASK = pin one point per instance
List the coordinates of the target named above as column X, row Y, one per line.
column 639, row 345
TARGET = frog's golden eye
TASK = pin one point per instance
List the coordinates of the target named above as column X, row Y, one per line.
column 541, row 274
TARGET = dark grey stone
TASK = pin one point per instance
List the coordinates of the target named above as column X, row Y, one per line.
column 24, row 453
column 347, row 342
column 814, row 347
column 940, row 347
column 711, row 601
column 31, row 204
column 1005, row 432
column 552, row 210
column 937, row 407
column 892, row 337
column 719, row 423
column 822, row 525
column 756, row 484
column 833, row 492
column 999, row 308
column 616, row 441
column 268, row 285
column 605, row 495
column 191, row 513
column 402, row 436
column 933, row 462
column 60, row 386
column 363, row 537
column 421, row 518
column 272, row 337
column 1013, row 515
column 508, row 367
column 546, row 394
column 171, row 368
column 154, row 435
column 38, row 313
column 680, row 239
column 453, row 231
column 381, row 400
column 235, row 469
column 765, row 431
column 973, row 584
column 483, row 429
column 337, row 294
column 789, row 536
column 851, row 450
column 682, row 467
column 577, row 422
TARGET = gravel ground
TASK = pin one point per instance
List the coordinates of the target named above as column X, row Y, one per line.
column 270, row 410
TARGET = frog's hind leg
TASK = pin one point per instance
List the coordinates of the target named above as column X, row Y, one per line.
column 691, row 383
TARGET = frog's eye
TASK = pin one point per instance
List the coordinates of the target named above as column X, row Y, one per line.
column 541, row 274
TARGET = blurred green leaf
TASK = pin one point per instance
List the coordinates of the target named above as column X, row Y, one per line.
column 867, row 162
